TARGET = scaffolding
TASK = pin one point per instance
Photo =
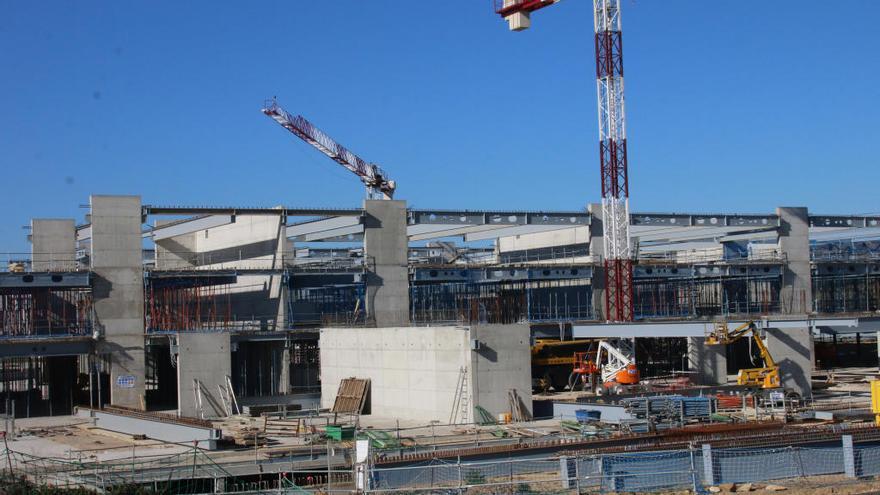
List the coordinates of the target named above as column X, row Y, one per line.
column 697, row 297
column 335, row 305
column 188, row 305
column 501, row 302
column 37, row 312
column 846, row 289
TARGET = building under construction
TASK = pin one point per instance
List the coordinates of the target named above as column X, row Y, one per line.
column 173, row 323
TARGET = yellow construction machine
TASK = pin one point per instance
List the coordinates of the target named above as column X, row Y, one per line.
column 553, row 362
column 766, row 377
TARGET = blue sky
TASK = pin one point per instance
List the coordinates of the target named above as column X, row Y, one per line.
column 731, row 106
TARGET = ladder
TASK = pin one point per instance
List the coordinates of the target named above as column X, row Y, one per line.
column 461, row 402
column 197, row 394
column 227, row 396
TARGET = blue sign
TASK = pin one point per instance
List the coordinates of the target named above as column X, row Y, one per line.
column 125, row 381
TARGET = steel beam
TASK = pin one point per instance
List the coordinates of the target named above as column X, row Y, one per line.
column 704, row 220
column 853, row 221
column 46, row 280
column 43, row 345
column 465, row 217
column 235, row 210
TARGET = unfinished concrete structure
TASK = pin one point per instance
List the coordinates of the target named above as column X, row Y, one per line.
column 416, row 372
column 171, row 307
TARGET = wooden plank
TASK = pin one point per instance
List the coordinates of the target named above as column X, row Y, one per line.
column 351, row 396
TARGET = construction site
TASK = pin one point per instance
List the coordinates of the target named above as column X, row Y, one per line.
column 377, row 347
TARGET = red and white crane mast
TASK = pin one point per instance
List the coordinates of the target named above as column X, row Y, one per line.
column 612, row 144
column 613, row 161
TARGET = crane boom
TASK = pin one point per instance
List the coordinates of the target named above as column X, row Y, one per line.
column 374, row 178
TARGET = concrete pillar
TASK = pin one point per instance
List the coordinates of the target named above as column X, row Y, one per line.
column 284, row 379
column 794, row 243
column 53, row 245
column 204, row 357
column 118, row 291
column 708, row 361
column 386, row 251
column 597, row 250
column 792, row 350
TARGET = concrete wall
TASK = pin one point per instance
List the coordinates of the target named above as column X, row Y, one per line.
column 53, row 244
column 251, row 242
column 203, row 357
column 502, row 363
column 414, row 371
column 792, row 349
column 708, row 361
column 386, row 249
column 119, row 293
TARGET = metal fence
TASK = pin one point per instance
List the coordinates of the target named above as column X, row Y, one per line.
column 691, row 469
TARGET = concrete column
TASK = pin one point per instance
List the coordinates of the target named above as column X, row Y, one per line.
column 794, row 243
column 284, row 379
column 205, row 358
column 53, row 245
column 386, row 251
column 597, row 250
column 118, row 293
column 792, row 350
column 708, row 361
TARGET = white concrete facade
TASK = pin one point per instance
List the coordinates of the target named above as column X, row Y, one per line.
column 414, row 371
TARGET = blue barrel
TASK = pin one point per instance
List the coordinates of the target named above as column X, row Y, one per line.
column 585, row 416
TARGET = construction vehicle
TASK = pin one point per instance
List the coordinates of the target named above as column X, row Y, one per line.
column 379, row 186
column 617, row 367
column 765, row 377
column 554, row 361
column 584, row 372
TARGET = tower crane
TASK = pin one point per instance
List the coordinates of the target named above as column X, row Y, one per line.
column 613, row 166
column 379, row 185
column 614, row 175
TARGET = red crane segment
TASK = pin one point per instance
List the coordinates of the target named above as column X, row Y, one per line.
column 508, row 7
column 377, row 181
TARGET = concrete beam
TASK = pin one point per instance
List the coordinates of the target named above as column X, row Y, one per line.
column 190, row 226
column 299, row 231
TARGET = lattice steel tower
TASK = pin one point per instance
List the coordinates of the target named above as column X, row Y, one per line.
column 613, row 161
column 612, row 144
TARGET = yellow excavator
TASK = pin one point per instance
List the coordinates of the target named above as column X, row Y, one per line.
column 766, row 377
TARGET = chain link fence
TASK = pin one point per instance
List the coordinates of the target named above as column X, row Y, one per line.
column 692, row 469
